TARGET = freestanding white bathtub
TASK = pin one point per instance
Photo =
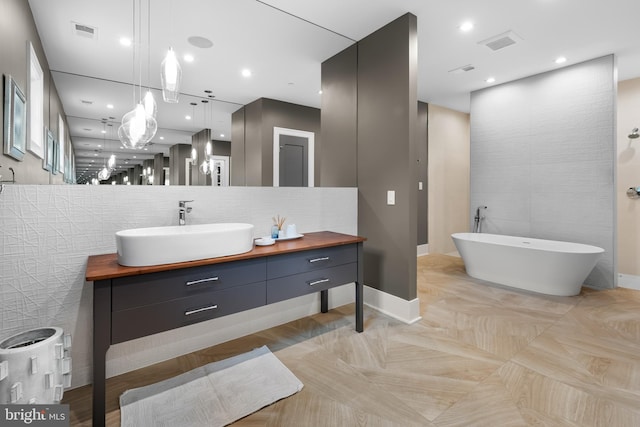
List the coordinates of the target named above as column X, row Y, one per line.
column 544, row 266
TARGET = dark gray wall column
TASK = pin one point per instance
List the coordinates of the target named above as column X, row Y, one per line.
column 237, row 174
column 423, row 142
column 177, row 155
column 387, row 158
column 339, row 120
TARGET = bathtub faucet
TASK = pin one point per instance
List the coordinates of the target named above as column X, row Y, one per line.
column 477, row 220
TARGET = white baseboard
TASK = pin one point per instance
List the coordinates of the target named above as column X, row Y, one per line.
column 423, row 250
column 629, row 281
column 398, row 308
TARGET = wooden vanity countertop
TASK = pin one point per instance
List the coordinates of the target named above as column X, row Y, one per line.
column 102, row 267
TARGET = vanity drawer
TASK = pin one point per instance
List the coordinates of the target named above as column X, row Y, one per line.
column 317, row 259
column 150, row 319
column 154, row 288
column 306, row 283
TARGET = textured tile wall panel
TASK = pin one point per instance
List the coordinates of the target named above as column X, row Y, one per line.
column 543, row 158
column 48, row 231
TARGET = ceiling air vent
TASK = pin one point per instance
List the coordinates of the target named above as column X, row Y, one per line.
column 501, row 41
column 463, row 69
column 85, row 31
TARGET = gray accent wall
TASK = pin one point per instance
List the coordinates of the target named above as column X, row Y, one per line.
column 252, row 138
column 339, row 117
column 237, row 169
column 387, row 156
column 543, row 158
column 370, row 138
column 16, row 28
column 177, row 155
column 423, row 142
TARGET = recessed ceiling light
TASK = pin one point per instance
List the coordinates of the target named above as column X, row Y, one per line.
column 110, row 106
column 561, row 60
column 93, row 161
column 320, row 92
column 201, row 42
column 466, row 26
column 222, row 135
column 490, row 80
column 188, row 58
column 103, row 131
column 146, row 149
column 187, row 117
column 134, row 157
column 246, row 72
column 125, row 41
column 99, row 146
column 162, row 137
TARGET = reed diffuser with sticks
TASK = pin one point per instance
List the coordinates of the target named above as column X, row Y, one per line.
column 276, row 228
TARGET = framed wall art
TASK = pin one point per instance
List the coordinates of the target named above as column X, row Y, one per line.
column 35, row 91
column 15, row 119
column 47, row 161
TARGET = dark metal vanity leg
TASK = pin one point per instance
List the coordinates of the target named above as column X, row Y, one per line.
column 101, row 342
column 359, row 307
column 324, row 301
column 360, row 290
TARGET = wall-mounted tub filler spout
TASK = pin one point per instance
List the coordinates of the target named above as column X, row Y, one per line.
column 183, row 210
column 477, row 220
column 634, row 134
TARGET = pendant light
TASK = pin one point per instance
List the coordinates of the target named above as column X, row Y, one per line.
column 150, row 106
column 111, row 163
column 171, row 77
column 138, row 125
column 170, row 71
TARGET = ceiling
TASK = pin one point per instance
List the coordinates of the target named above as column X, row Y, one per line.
column 284, row 42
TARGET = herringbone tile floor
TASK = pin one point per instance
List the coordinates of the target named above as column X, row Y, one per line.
column 482, row 355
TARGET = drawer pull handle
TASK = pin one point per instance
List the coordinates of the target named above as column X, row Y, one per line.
column 200, row 310
column 197, row 282
column 324, row 258
column 317, row 282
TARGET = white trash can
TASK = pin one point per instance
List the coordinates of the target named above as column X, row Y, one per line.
column 35, row 366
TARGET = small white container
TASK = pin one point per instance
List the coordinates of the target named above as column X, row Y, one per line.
column 35, row 366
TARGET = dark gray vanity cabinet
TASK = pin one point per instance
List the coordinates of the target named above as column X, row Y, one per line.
column 156, row 302
column 301, row 273
column 133, row 302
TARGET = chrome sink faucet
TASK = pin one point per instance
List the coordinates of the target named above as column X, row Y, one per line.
column 183, row 210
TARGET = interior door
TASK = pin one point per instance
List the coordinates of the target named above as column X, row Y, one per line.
column 294, row 160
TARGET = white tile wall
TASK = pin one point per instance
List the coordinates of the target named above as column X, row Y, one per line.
column 48, row 231
column 543, row 156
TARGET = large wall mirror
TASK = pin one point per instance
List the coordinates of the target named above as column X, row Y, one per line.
column 231, row 53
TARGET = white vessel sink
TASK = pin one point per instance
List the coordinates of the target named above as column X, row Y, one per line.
column 165, row 245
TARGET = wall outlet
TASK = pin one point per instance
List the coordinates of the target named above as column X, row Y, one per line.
column 391, row 197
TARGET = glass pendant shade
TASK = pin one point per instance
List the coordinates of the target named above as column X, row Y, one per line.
column 207, row 149
column 205, row 167
column 171, row 77
column 137, row 128
column 150, row 106
column 111, row 164
column 104, row 174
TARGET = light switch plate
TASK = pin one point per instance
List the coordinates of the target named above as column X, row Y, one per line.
column 391, row 197
column 419, row 185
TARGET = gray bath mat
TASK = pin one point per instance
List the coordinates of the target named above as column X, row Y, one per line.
column 213, row 395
